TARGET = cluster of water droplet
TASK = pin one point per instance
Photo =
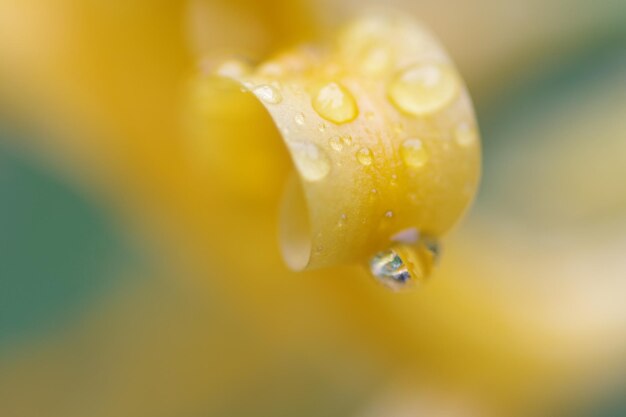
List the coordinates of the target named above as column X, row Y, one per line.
column 418, row 90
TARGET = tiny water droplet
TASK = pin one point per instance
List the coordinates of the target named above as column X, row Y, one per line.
column 465, row 134
column 423, row 89
column 335, row 103
column 322, row 127
column 364, row 156
column 269, row 94
column 336, row 143
column 312, row 162
column 389, row 214
column 413, row 153
column 299, row 119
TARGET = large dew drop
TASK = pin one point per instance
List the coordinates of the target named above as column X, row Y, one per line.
column 390, row 270
column 424, row 89
column 403, row 265
column 335, row 103
column 312, row 163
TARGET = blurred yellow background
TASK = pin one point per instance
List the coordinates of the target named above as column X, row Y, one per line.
column 134, row 281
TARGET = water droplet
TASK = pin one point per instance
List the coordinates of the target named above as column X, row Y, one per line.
column 364, row 156
column 413, row 153
column 299, row 119
column 389, row 214
column 268, row 94
column 336, row 143
column 312, row 163
column 335, row 103
column 402, row 265
column 465, row 134
column 390, row 270
column 322, row 127
column 424, row 89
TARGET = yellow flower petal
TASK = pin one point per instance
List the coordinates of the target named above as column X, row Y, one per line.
column 382, row 136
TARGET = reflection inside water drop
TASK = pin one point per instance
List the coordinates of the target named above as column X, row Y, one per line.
column 403, row 264
column 389, row 268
